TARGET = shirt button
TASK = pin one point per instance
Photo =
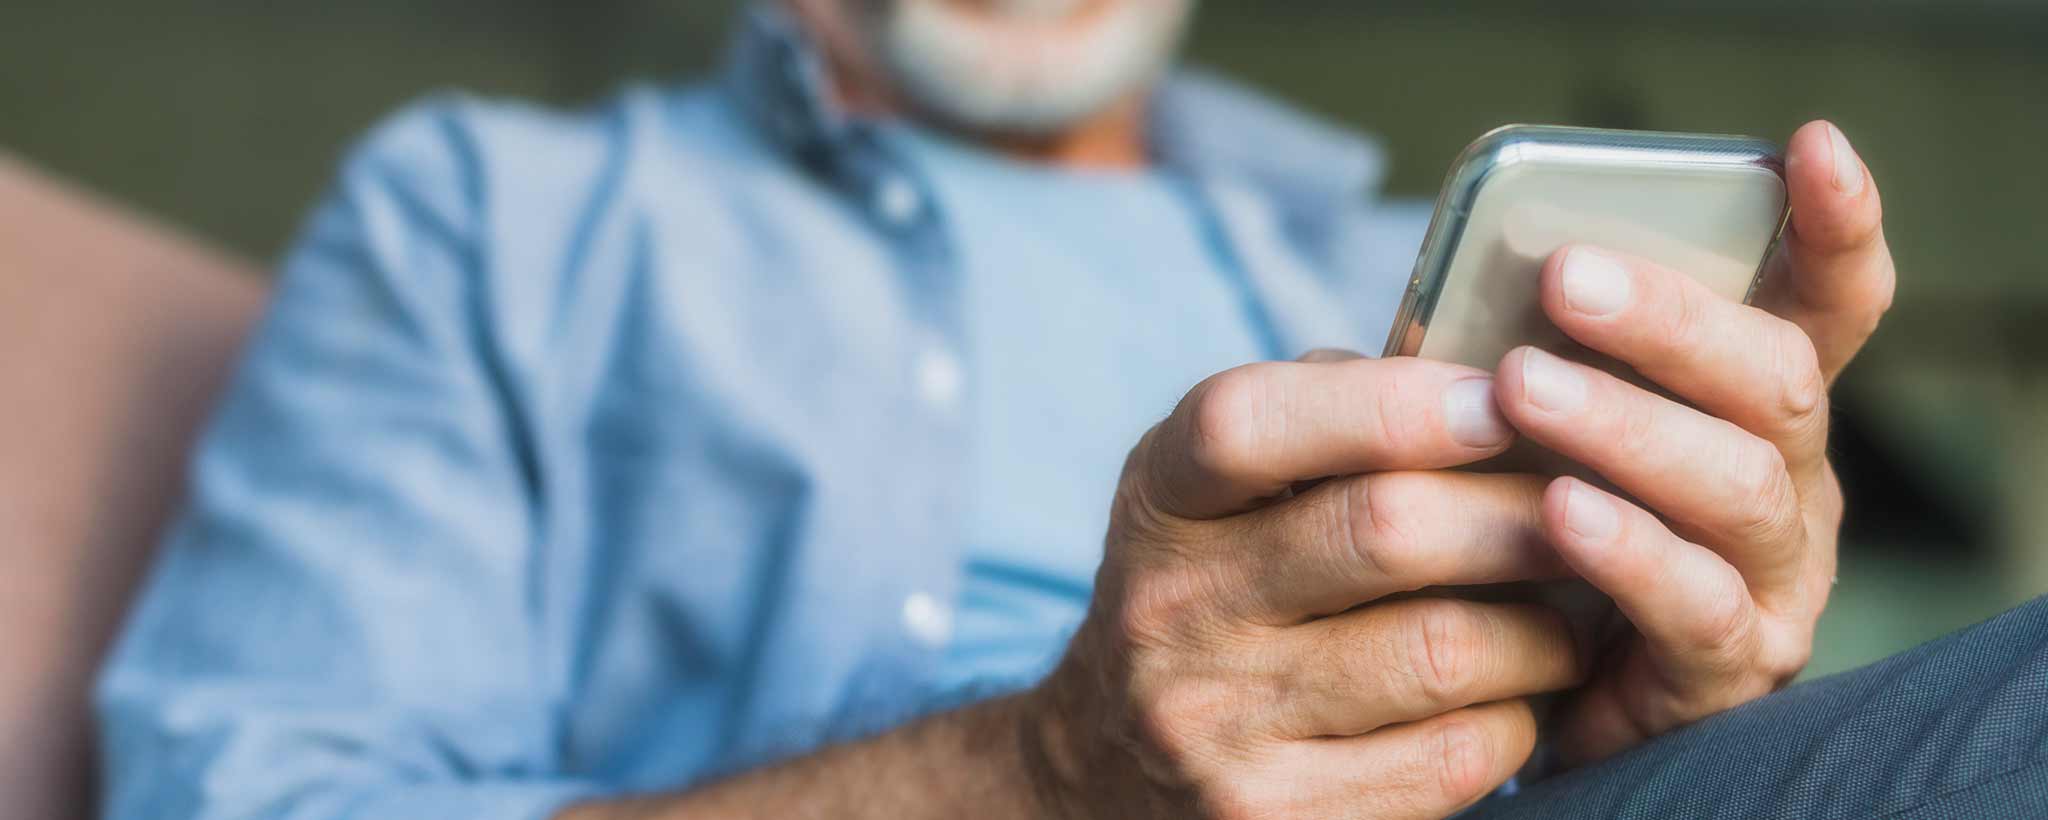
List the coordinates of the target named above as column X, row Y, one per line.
column 929, row 622
column 939, row 378
column 897, row 201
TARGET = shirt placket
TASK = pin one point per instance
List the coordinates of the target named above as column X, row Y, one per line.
column 899, row 203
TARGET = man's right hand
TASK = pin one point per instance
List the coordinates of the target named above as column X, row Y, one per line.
column 1243, row 658
column 1248, row 653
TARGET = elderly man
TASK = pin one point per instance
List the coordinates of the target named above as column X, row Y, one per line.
column 747, row 450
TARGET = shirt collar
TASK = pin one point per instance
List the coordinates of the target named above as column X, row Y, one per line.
column 1200, row 123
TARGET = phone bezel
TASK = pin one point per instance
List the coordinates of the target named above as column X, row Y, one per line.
column 1512, row 144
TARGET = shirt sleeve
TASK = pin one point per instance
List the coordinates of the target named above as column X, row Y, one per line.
column 343, row 622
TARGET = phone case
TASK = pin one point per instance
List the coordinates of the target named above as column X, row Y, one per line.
column 1709, row 206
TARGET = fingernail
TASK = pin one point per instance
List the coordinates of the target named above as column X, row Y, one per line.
column 1472, row 416
column 1548, row 382
column 1588, row 514
column 1848, row 169
column 1594, row 283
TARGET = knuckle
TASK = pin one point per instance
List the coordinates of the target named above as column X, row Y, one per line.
column 1875, row 297
column 1465, row 762
column 1142, row 455
column 1153, row 494
column 1441, row 645
column 1165, row 731
column 1136, row 510
column 1828, row 505
column 1153, row 608
column 1886, row 290
column 1793, row 661
column 1759, row 512
column 1176, row 717
column 1787, row 648
column 1727, row 634
column 1803, row 397
column 1786, row 664
column 1374, row 523
column 1226, row 414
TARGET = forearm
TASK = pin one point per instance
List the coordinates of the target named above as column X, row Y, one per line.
column 971, row 760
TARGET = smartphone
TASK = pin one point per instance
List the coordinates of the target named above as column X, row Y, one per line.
column 1709, row 206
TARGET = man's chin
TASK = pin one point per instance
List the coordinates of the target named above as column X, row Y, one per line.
column 987, row 72
column 1038, row 10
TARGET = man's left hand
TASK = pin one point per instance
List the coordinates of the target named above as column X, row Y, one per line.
column 1727, row 563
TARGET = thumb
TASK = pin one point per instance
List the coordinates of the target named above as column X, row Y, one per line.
column 1833, row 274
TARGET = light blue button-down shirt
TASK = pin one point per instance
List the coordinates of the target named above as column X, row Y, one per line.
column 1047, row 260
column 608, row 451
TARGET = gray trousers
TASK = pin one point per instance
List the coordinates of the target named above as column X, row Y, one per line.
column 1956, row 728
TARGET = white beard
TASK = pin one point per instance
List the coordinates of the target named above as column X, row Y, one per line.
column 1024, row 67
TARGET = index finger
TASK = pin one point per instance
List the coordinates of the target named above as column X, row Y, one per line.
column 1246, row 435
column 1362, row 538
column 1833, row 273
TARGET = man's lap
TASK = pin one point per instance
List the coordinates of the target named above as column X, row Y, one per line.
column 1954, row 728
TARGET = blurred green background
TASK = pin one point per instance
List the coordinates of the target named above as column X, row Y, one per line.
column 225, row 118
